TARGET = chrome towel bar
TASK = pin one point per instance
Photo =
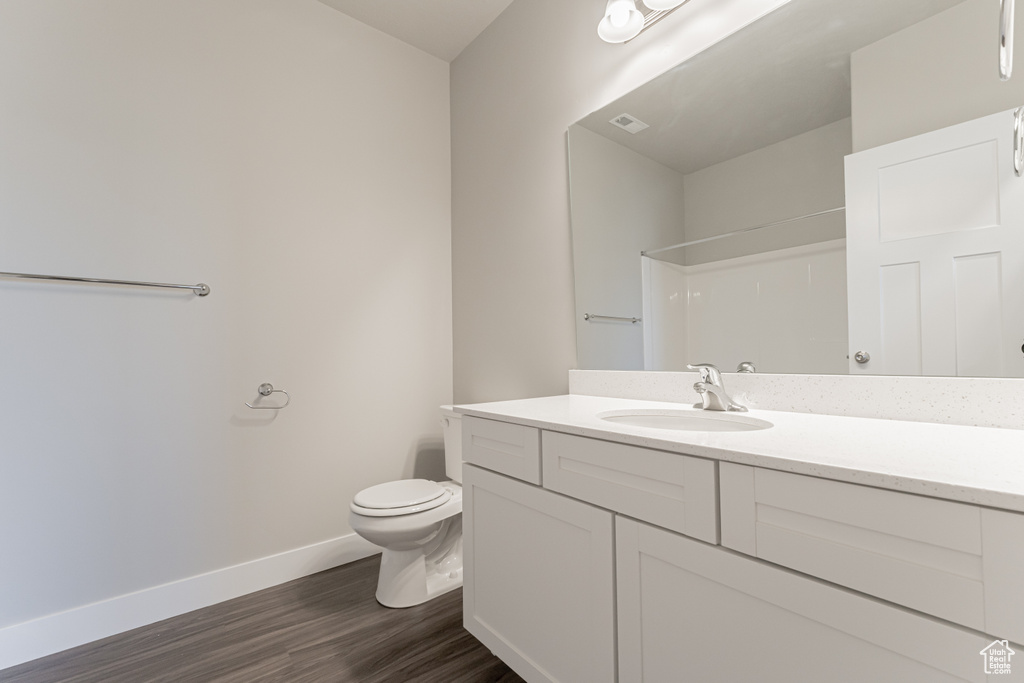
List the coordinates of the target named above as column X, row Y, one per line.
column 591, row 316
column 199, row 289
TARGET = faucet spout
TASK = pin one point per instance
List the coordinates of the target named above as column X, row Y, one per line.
column 714, row 398
column 712, row 390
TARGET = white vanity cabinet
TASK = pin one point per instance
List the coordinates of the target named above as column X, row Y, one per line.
column 592, row 560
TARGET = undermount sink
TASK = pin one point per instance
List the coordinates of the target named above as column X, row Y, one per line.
column 686, row 420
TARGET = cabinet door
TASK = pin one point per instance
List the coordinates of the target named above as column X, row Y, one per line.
column 539, row 579
column 695, row 612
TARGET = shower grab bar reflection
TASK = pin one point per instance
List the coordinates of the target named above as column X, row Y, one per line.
column 200, row 289
column 591, row 316
column 648, row 252
column 1005, row 39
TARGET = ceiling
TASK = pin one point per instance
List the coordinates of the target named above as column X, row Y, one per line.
column 442, row 28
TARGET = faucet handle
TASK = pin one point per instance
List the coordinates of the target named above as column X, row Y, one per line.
column 708, row 373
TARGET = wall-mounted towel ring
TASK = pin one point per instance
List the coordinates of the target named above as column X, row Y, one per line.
column 266, row 389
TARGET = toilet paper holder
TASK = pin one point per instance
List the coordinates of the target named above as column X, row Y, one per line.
column 266, row 389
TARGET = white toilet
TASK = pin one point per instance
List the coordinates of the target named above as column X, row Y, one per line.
column 418, row 523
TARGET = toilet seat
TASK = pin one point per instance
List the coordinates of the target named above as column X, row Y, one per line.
column 403, row 497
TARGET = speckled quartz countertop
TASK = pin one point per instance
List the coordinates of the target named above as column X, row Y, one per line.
column 978, row 465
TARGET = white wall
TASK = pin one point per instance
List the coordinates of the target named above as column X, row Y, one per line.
column 515, row 90
column 295, row 160
column 622, row 203
column 937, row 73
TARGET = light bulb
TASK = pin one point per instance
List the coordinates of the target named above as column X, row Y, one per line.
column 621, row 21
column 619, row 16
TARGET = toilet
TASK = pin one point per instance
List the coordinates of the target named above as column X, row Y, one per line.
column 418, row 523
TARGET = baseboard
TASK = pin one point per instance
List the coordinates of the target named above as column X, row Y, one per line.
column 56, row 632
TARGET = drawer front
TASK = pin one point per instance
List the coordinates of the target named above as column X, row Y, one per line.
column 506, row 448
column 674, row 491
column 952, row 560
column 694, row 612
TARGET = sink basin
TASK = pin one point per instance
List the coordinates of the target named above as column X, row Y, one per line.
column 686, row 420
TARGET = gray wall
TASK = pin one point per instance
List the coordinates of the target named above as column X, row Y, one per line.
column 937, row 73
column 295, row 160
column 536, row 70
column 795, row 177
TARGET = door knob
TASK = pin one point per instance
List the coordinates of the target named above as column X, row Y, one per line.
column 862, row 357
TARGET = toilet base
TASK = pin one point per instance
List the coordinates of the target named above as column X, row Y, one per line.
column 412, row 577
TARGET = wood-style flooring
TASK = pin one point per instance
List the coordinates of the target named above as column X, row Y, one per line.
column 322, row 628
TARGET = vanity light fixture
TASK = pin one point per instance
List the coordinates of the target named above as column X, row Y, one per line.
column 626, row 19
column 622, row 21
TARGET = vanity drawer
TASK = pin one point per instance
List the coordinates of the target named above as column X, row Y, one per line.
column 673, row 491
column 688, row 611
column 502, row 447
column 952, row 560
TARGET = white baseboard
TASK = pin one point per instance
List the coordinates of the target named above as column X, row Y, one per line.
column 56, row 632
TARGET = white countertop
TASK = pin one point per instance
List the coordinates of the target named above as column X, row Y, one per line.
column 978, row 465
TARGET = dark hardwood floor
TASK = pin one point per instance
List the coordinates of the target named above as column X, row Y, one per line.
column 324, row 627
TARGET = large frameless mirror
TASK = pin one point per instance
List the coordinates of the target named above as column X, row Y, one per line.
column 710, row 209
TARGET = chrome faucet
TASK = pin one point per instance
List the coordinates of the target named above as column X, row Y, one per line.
column 712, row 390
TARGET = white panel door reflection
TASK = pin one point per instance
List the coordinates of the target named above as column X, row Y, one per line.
column 935, row 253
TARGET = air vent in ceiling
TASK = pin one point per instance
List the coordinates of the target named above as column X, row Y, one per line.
column 628, row 123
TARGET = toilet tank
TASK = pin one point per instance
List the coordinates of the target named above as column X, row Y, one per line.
column 451, row 422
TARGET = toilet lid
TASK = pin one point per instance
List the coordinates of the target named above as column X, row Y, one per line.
column 402, row 494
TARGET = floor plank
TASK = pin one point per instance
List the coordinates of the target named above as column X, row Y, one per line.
column 324, row 628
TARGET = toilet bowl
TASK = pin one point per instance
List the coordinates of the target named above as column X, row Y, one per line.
column 418, row 523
